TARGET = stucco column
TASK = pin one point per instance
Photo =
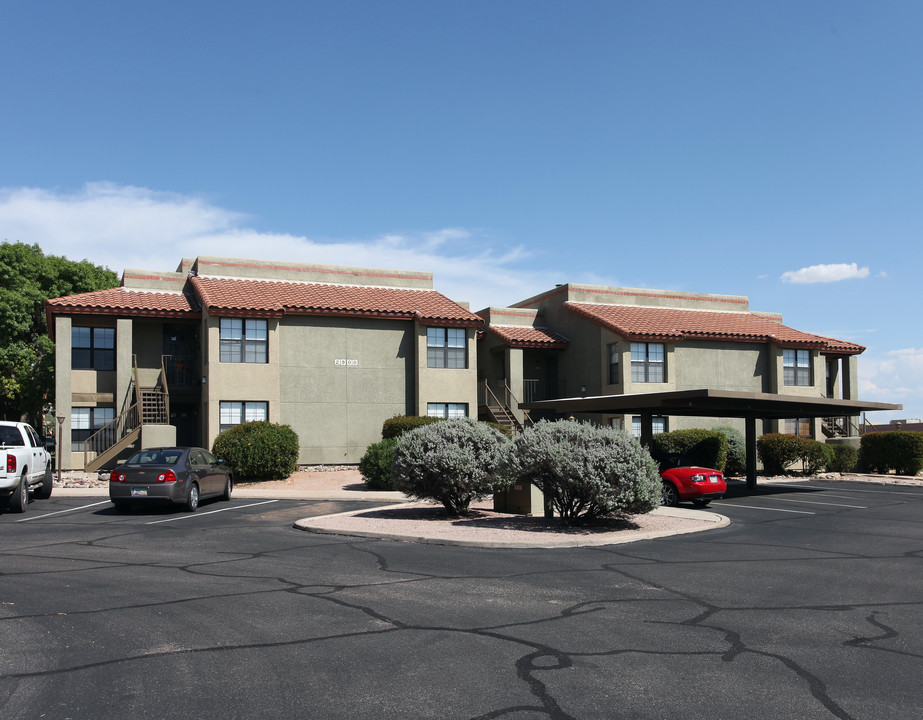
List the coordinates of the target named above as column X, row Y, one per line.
column 124, row 366
column 513, row 360
column 62, row 387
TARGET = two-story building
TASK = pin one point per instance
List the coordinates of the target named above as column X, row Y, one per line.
column 332, row 351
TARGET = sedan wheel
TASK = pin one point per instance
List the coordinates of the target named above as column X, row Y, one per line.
column 669, row 496
column 192, row 498
column 228, row 485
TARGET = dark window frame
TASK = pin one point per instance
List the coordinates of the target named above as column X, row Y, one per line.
column 445, row 407
column 79, row 435
column 222, row 426
column 96, row 351
column 614, row 375
column 443, row 350
column 236, row 346
column 645, row 369
column 795, row 374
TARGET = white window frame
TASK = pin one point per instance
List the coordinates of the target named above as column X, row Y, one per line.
column 447, row 411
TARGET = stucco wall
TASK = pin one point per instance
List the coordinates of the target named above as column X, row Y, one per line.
column 446, row 385
column 341, row 379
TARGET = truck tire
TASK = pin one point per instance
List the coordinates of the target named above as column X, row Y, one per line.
column 19, row 500
column 43, row 491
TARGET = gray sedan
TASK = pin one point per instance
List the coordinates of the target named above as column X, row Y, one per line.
column 181, row 475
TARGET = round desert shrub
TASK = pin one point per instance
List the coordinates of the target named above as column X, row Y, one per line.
column 375, row 464
column 777, row 451
column 845, row 459
column 737, row 450
column 815, row 456
column 584, row 470
column 258, row 450
column 452, row 462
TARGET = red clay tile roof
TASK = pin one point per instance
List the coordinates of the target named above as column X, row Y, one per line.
column 529, row 337
column 268, row 298
column 125, row 302
column 673, row 325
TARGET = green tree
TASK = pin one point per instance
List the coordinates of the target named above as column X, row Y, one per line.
column 29, row 277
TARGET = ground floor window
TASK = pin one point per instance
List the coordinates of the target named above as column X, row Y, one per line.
column 87, row 420
column 797, row 426
column 235, row 412
column 658, row 425
column 447, row 410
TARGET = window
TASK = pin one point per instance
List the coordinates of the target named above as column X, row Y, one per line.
column 614, row 378
column 233, row 413
column 447, row 410
column 796, row 367
column 92, row 348
column 798, row 426
column 647, row 362
column 243, row 341
column 658, row 425
column 446, row 348
column 86, row 421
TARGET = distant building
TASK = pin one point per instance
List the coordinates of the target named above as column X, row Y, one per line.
column 581, row 340
column 912, row 424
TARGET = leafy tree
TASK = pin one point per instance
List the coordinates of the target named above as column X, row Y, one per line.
column 29, row 277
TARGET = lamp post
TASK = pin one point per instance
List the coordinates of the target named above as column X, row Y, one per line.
column 57, row 452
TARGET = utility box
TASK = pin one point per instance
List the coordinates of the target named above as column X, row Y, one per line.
column 521, row 499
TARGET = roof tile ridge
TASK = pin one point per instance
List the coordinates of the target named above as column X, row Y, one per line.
column 281, row 281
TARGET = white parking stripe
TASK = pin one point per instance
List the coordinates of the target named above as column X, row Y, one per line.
column 910, row 488
column 210, row 512
column 59, row 512
column 756, row 507
column 813, row 502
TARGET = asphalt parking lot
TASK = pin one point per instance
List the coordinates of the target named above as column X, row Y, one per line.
column 809, row 605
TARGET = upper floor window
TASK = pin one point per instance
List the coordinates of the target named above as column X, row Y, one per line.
column 796, row 367
column 235, row 412
column 243, row 341
column 647, row 362
column 446, row 347
column 447, row 410
column 92, row 348
column 613, row 370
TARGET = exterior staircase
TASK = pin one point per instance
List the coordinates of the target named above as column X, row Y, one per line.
column 492, row 408
column 151, row 407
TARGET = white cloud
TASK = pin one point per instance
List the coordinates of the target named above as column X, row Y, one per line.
column 129, row 227
column 825, row 273
column 894, row 377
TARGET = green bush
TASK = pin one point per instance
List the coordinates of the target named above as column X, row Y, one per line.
column 375, row 464
column 399, row 424
column 737, row 450
column 706, row 448
column 452, row 462
column 258, row 450
column 584, row 470
column 777, row 451
column 898, row 450
column 844, row 459
column 815, row 456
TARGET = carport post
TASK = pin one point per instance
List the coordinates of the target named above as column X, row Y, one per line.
column 751, row 452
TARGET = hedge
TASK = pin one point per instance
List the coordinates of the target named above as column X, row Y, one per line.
column 898, row 450
column 399, row 424
column 258, row 450
column 375, row 464
column 706, row 448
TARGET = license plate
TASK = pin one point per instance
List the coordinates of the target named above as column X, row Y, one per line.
column 713, row 479
column 139, row 492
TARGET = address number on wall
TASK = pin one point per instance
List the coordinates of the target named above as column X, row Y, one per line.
column 344, row 362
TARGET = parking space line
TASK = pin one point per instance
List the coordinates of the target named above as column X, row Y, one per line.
column 210, row 512
column 60, row 512
column 909, row 488
column 815, row 502
column 757, row 507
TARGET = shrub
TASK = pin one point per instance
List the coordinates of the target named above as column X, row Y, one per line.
column 844, row 459
column 898, row 450
column 375, row 464
column 584, row 470
column 707, row 448
column 452, row 462
column 399, row 424
column 777, row 451
column 258, row 450
column 737, row 450
column 815, row 456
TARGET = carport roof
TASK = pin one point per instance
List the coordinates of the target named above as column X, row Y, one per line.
column 713, row 403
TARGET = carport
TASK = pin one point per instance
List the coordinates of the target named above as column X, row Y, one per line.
column 712, row 403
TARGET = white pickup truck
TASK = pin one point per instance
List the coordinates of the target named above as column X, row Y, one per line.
column 25, row 465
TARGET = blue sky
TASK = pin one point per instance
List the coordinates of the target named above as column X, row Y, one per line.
column 768, row 149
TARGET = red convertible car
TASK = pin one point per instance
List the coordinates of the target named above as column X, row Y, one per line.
column 699, row 484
